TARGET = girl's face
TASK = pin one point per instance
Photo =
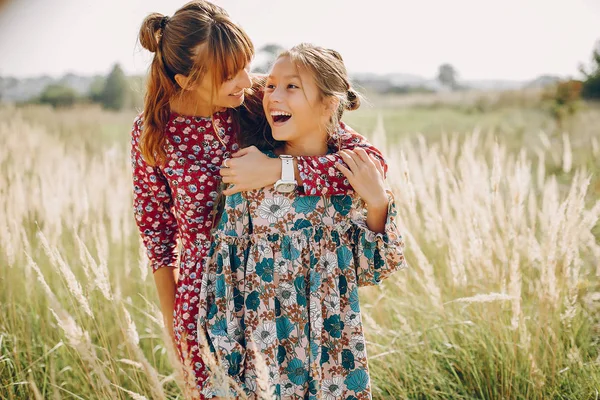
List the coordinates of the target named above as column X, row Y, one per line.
column 293, row 104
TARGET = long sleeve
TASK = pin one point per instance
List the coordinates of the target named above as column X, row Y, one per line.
column 319, row 174
column 152, row 204
column 378, row 255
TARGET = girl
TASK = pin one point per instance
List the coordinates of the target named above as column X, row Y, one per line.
column 283, row 273
column 190, row 124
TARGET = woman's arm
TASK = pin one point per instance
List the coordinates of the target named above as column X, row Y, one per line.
column 251, row 169
column 152, row 204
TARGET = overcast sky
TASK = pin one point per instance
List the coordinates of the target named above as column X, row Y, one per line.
column 483, row 39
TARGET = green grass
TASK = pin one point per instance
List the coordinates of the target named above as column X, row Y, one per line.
column 418, row 350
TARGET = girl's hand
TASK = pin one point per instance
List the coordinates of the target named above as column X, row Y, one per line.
column 249, row 169
column 366, row 176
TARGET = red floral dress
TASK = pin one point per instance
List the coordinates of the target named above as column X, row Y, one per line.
column 174, row 202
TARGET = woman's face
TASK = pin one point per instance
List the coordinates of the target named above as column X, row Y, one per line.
column 293, row 104
column 229, row 95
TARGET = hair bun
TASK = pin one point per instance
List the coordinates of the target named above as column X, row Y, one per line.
column 353, row 99
column 150, row 31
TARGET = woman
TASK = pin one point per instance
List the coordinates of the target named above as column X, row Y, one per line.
column 190, row 125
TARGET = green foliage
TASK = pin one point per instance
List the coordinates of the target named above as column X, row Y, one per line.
column 96, row 89
column 564, row 100
column 58, row 96
column 591, row 85
column 114, row 96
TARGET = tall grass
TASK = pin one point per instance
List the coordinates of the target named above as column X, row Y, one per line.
column 501, row 299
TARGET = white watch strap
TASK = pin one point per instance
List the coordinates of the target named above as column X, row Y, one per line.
column 287, row 169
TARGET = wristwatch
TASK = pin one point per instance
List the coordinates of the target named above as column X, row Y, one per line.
column 287, row 183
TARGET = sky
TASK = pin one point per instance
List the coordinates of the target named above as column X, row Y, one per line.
column 483, row 39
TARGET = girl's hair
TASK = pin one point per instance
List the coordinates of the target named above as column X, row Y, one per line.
column 330, row 75
column 199, row 37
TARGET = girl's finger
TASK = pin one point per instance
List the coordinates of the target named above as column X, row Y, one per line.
column 377, row 164
column 349, row 160
column 345, row 171
column 360, row 152
column 228, row 179
column 357, row 160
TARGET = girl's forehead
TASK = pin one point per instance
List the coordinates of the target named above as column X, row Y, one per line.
column 286, row 67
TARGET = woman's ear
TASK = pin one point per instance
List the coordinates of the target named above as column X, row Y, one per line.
column 182, row 81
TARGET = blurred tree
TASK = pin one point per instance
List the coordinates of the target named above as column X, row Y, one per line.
column 447, row 76
column 266, row 55
column 58, row 96
column 114, row 96
column 96, row 89
column 591, row 84
column 564, row 100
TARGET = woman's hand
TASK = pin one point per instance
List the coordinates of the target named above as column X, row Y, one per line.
column 166, row 285
column 249, row 169
column 366, row 177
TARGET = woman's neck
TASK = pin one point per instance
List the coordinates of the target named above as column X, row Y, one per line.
column 193, row 107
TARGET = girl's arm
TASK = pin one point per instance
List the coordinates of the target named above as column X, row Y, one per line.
column 367, row 178
column 320, row 176
column 378, row 248
column 152, row 204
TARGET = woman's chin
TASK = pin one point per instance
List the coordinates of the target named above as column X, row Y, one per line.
column 234, row 102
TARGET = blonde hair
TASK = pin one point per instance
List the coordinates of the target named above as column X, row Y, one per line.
column 199, row 37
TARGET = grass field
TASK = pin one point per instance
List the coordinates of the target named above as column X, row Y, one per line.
column 500, row 210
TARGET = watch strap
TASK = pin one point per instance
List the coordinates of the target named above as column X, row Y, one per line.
column 287, row 169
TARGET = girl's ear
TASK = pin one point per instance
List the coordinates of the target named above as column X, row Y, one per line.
column 331, row 105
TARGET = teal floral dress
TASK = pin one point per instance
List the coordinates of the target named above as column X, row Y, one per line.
column 282, row 283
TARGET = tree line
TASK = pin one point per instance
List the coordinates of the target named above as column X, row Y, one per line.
column 113, row 92
column 116, row 91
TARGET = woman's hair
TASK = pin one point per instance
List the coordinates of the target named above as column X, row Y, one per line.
column 330, row 75
column 199, row 37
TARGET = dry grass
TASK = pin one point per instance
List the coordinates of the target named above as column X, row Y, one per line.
column 501, row 299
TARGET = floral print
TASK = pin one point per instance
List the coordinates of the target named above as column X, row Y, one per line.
column 295, row 263
column 173, row 203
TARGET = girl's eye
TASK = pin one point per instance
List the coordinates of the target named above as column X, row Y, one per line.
column 292, row 86
column 270, row 87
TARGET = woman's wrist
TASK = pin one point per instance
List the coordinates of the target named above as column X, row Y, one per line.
column 275, row 170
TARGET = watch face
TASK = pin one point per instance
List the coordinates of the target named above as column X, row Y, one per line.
column 285, row 187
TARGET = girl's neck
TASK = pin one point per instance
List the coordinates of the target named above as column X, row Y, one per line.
column 304, row 148
column 192, row 108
